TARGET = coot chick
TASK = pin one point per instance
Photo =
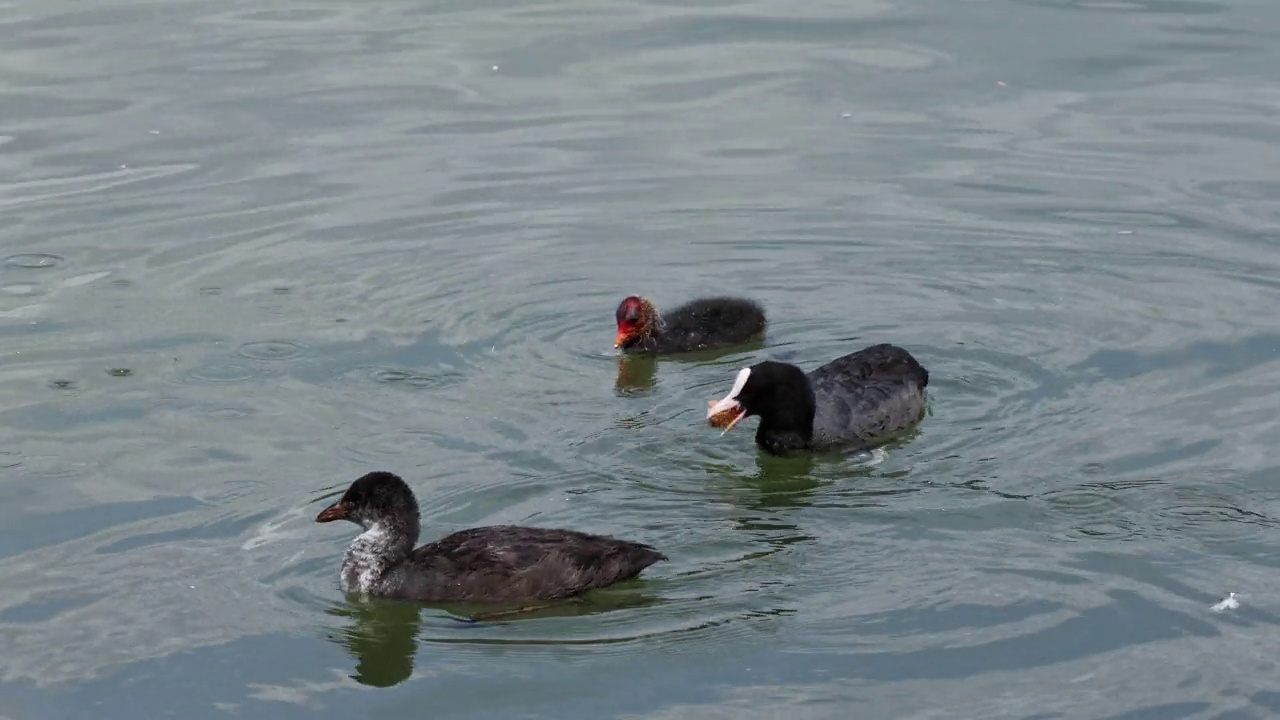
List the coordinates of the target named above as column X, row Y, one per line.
column 702, row 324
column 855, row 402
column 501, row 563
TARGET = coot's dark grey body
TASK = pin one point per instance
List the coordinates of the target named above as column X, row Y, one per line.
column 855, row 402
column 867, row 398
column 496, row 564
column 703, row 324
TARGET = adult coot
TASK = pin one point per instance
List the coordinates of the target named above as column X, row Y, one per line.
column 502, row 563
column 702, row 324
column 855, row 402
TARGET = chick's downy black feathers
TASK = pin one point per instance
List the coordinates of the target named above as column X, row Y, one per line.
column 703, row 324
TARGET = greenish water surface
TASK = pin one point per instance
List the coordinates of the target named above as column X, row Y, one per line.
column 254, row 250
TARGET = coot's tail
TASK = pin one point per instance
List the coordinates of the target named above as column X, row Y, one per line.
column 891, row 361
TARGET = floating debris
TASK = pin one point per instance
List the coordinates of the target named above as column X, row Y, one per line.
column 1227, row 603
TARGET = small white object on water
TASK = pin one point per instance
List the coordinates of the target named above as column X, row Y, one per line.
column 846, row 116
column 877, row 456
column 153, row 132
column 1124, row 232
column 1227, row 603
column 495, row 68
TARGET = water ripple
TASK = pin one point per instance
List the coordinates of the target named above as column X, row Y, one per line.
column 400, row 232
column 221, row 372
column 34, row 261
column 271, row 350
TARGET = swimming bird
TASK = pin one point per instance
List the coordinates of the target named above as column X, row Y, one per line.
column 500, row 563
column 702, row 324
column 855, row 402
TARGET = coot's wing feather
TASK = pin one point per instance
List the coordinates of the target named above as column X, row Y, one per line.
column 868, row 414
column 508, row 562
column 867, row 397
column 877, row 362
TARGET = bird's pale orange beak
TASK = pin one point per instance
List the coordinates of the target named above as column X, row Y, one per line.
column 622, row 337
column 725, row 413
column 336, row 511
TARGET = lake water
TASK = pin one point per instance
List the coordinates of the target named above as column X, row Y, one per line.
column 254, row 250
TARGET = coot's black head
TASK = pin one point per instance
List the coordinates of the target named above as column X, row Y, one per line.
column 779, row 393
column 637, row 319
column 373, row 499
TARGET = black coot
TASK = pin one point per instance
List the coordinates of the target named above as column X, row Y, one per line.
column 855, row 402
column 702, row 324
column 502, row 563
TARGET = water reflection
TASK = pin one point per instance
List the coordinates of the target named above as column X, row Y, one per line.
column 762, row 500
column 617, row 597
column 852, row 480
column 781, row 482
column 635, row 374
column 383, row 639
column 384, row 635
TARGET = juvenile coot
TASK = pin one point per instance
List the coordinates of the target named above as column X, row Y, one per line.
column 855, row 402
column 702, row 324
column 501, row 563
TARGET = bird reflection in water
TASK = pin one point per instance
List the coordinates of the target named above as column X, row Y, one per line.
column 384, row 635
column 635, row 374
column 383, row 639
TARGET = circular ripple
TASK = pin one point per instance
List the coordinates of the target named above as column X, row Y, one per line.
column 271, row 350
column 417, row 380
column 1212, row 517
column 1090, row 513
column 404, row 378
column 230, row 413
column 34, row 261
column 1115, row 528
column 1080, row 501
column 221, row 373
column 373, row 450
